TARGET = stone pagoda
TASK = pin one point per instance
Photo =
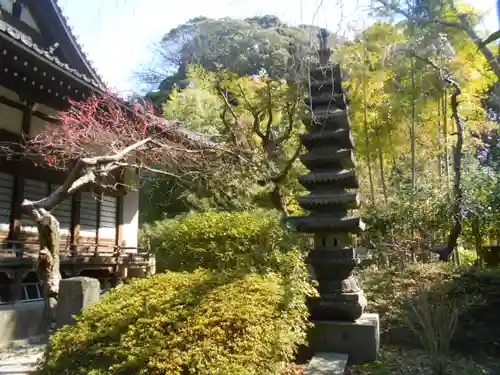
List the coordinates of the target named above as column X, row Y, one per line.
column 340, row 324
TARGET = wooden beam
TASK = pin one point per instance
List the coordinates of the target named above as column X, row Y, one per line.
column 75, row 219
column 119, row 220
column 15, row 208
column 16, row 48
column 38, row 88
column 27, row 115
column 28, row 170
column 20, row 106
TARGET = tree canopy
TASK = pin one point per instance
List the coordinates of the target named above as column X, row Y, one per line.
column 397, row 77
column 245, row 47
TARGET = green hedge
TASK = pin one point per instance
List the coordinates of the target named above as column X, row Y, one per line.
column 254, row 241
column 203, row 322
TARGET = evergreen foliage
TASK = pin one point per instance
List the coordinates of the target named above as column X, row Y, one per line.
column 200, row 322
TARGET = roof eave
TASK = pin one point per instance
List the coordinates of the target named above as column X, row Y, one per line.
column 73, row 42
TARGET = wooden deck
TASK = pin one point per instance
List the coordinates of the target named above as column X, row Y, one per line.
column 14, row 253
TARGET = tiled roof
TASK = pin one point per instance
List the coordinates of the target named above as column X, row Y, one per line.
column 45, row 54
column 78, row 46
column 199, row 138
column 28, row 42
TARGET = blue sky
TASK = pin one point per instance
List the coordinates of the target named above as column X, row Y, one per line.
column 119, row 35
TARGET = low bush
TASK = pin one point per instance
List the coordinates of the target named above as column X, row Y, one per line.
column 202, row 322
column 389, row 289
column 246, row 242
column 476, row 290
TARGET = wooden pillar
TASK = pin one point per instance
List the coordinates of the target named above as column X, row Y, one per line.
column 98, row 220
column 16, row 292
column 15, row 208
column 27, row 114
column 75, row 223
column 119, row 221
column 18, row 194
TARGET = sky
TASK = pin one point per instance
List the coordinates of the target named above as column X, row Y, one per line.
column 119, row 36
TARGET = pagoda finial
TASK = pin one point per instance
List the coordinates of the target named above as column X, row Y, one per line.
column 324, row 51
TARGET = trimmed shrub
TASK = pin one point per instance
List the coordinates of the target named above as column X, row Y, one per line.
column 203, row 322
column 245, row 242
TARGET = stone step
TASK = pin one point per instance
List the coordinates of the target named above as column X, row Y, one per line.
column 21, row 364
column 327, row 364
column 322, row 73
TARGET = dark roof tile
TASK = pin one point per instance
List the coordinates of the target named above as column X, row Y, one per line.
column 73, row 37
column 28, row 42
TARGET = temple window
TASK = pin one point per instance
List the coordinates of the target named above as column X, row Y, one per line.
column 31, row 288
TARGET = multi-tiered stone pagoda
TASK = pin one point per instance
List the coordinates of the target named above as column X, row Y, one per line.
column 333, row 185
column 340, row 324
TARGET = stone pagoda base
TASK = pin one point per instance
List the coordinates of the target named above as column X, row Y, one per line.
column 359, row 339
column 342, row 306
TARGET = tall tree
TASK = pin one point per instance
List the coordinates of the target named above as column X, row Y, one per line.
column 244, row 46
column 259, row 116
column 446, row 15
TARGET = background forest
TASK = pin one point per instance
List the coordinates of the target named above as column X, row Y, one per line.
column 243, row 82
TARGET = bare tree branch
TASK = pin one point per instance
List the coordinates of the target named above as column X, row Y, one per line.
column 255, row 113
column 279, row 179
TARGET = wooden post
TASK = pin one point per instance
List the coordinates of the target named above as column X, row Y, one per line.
column 75, row 223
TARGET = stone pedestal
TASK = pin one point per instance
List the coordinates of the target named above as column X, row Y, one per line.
column 74, row 295
column 359, row 339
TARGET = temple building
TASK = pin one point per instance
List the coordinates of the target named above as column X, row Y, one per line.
column 41, row 66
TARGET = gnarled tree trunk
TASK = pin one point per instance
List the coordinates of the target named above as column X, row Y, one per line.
column 47, row 267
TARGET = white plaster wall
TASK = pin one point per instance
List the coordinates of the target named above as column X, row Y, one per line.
column 130, row 213
column 47, row 110
column 11, row 119
column 9, row 94
column 36, row 126
column 108, row 233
